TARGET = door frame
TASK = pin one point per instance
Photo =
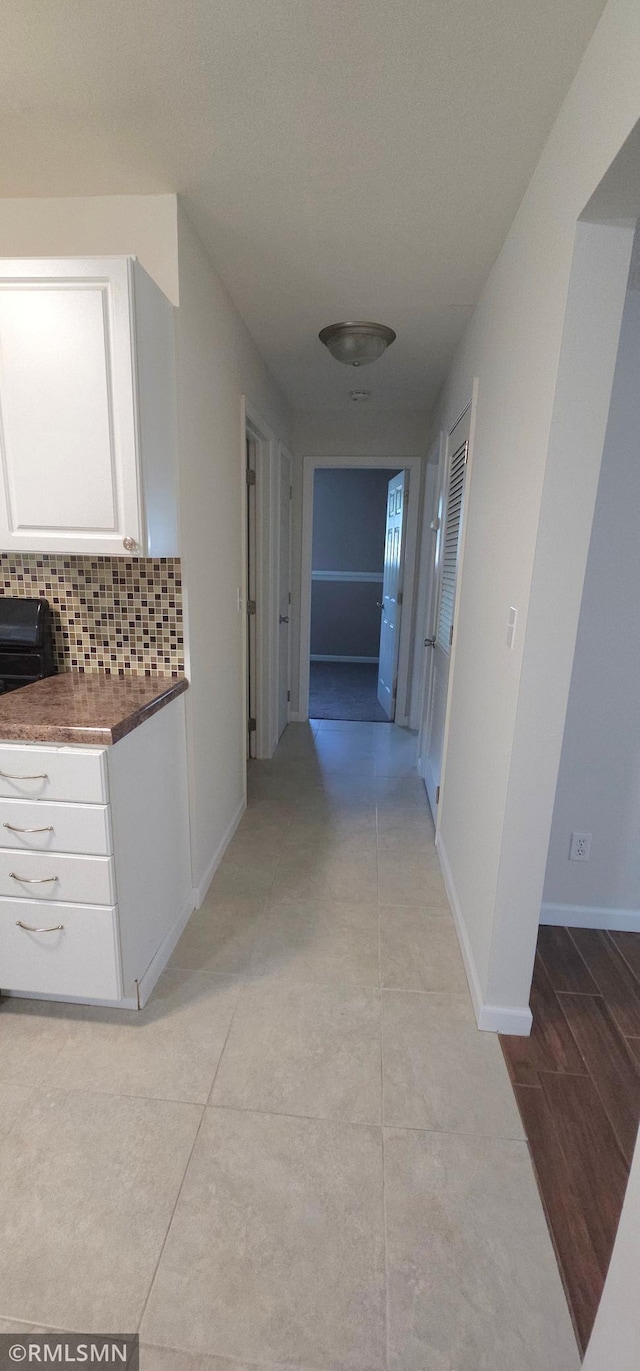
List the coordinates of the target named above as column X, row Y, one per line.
column 429, row 577
column 412, row 465
column 267, row 494
column 283, row 451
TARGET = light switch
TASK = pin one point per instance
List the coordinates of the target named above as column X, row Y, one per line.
column 511, row 626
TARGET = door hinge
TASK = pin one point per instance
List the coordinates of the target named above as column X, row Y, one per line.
column 288, row 696
column 437, row 794
column 289, row 597
column 252, row 725
column 451, row 635
column 291, row 492
column 251, row 606
column 251, row 476
column 399, row 598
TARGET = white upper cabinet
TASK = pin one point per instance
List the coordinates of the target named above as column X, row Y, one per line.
column 88, row 446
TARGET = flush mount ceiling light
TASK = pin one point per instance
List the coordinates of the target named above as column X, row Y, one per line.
column 356, row 344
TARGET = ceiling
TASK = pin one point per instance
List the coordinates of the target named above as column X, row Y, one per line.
column 341, row 158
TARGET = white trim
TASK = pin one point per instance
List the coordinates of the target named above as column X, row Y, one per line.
column 591, row 916
column 327, row 657
column 210, row 871
column 283, row 453
column 428, row 576
column 128, row 1002
column 491, row 1018
column 377, row 576
column 158, row 963
column 267, row 492
column 505, row 1018
column 413, row 466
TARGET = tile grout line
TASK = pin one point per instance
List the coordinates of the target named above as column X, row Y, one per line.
column 197, row 1135
column 385, row 1241
column 171, row 1218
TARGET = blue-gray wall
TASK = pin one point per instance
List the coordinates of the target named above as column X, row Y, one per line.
column 349, row 513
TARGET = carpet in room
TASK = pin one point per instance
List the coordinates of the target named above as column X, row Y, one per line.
column 345, row 690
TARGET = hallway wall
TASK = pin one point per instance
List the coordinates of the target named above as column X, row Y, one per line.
column 536, row 450
column 144, row 226
column 599, row 780
column 217, row 362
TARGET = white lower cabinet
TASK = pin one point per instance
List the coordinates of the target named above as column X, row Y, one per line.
column 30, row 826
column 67, row 950
column 94, row 895
column 53, row 876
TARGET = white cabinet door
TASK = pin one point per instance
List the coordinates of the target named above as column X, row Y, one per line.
column 70, row 429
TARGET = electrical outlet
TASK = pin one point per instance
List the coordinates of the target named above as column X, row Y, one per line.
column 580, row 848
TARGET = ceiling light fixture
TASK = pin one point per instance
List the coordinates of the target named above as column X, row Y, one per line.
column 356, row 344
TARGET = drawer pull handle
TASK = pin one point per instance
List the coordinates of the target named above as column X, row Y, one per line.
column 32, row 880
column 14, row 829
column 42, row 776
column 28, row 928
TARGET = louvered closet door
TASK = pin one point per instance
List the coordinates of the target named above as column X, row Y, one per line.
column 448, row 557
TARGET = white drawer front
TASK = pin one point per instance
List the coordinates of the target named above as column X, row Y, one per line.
column 50, row 773
column 54, row 876
column 36, row 826
column 82, row 958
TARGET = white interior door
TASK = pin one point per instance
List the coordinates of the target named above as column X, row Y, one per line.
column 448, row 551
column 392, row 593
column 284, row 592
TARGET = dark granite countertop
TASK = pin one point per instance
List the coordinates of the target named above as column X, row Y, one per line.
column 76, row 708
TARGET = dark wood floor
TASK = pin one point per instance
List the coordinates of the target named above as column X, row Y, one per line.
column 577, row 1083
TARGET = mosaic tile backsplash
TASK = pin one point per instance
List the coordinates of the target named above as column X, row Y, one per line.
column 109, row 614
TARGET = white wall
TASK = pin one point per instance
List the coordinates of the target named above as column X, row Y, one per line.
column 599, row 781
column 143, row 226
column 218, row 362
column 615, row 1341
column 532, row 488
column 361, row 431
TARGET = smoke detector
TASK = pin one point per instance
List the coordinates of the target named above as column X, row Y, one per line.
column 359, row 395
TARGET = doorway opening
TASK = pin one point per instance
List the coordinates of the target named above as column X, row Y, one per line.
column 360, row 582
column 356, row 595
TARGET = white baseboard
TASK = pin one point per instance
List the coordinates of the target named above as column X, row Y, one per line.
column 320, row 657
column 210, row 871
column 591, row 916
column 129, row 1002
column 492, row 1018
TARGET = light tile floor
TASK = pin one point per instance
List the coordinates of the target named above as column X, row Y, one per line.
column 302, row 1154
